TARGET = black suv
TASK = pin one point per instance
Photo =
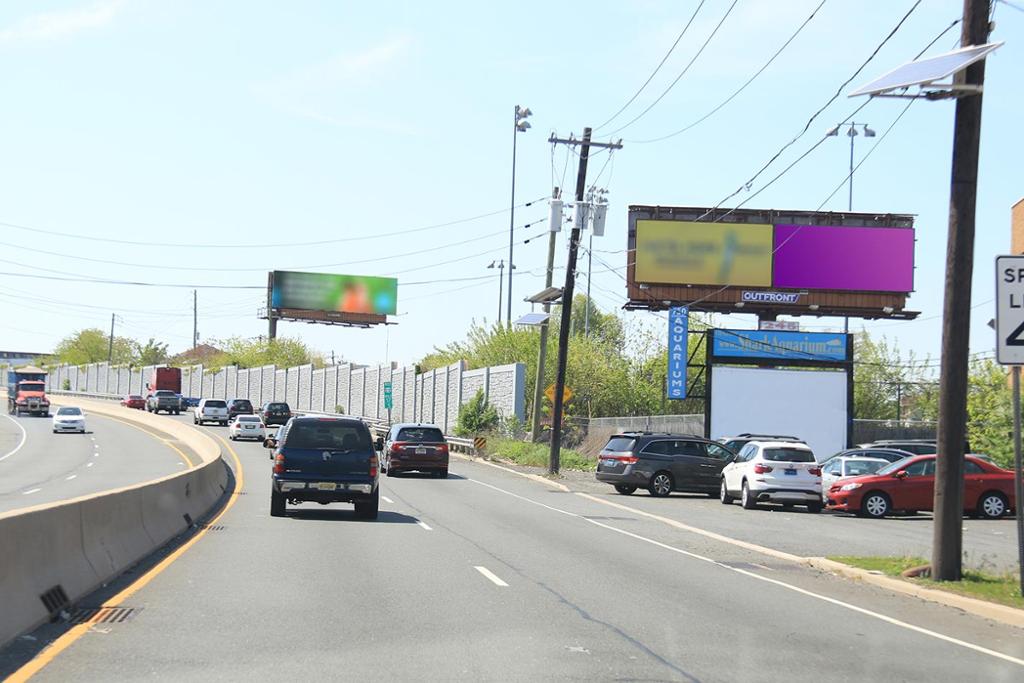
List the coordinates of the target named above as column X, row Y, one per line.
column 239, row 406
column 325, row 460
column 275, row 413
column 663, row 463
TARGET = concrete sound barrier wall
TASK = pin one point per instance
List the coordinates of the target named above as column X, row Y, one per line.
column 83, row 543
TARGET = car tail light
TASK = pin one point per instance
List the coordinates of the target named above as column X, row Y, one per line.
column 443, row 448
column 397, row 446
column 279, row 464
column 761, row 469
column 373, row 465
column 624, row 459
column 814, row 471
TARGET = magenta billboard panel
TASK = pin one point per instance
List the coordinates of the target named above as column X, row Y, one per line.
column 845, row 258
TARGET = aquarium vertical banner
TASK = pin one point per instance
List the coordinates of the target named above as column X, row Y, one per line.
column 678, row 328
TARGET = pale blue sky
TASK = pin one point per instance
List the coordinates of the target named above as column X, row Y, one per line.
column 261, row 122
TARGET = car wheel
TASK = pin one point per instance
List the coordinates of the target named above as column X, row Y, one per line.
column 747, row 499
column 723, row 494
column 625, row 490
column 661, row 484
column 876, row 505
column 392, row 472
column 992, row 505
column 442, row 474
column 814, row 508
column 367, row 509
column 223, row 424
column 54, row 431
column 277, row 504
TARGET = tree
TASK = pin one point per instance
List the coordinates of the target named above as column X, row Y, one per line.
column 153, row 353
column 256, row 352
column 887, row 385
column 91, row 346
column 990, row 412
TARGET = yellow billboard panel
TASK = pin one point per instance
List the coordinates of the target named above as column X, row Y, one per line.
column 690, row 253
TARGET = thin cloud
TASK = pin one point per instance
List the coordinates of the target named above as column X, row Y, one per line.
column 313, row 91
column 59, row 24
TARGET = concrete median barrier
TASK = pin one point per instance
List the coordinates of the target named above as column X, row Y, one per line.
column 80, row 544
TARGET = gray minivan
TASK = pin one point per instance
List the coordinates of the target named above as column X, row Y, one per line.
column 663, row 463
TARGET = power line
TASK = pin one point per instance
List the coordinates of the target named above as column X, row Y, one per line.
column 268, row 245
column 681, row 73
column 657, row 69
column 827, row 104
column 157, row 266
column 742, row 87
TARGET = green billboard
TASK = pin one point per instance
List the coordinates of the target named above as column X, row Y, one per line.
column 329, row 292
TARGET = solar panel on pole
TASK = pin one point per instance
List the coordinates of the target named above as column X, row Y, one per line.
column 925, row 72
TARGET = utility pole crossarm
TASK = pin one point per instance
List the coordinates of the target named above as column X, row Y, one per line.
column 573, row 141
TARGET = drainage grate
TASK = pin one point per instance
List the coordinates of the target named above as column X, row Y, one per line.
column 103, row 615
column 55, row 600
column 214, row 527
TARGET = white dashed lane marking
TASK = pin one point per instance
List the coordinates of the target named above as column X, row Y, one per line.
column 25, row 493
column 69, row 478
column 491, row 576
column 424, row 525
column 386, row 499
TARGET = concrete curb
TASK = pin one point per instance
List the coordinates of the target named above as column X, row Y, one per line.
column 1004, row 614
column 83, row 543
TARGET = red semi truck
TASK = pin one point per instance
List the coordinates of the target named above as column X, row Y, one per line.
column 164, row 387
column 26, row 391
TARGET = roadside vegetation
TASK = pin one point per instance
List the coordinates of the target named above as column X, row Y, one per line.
column 1003, row 589
column 536, row 454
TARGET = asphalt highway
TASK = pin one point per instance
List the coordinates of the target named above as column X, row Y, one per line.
column 492, row 576
column 38, row 466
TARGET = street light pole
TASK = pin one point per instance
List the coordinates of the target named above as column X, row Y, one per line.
column 500, row 265
column 521, row 125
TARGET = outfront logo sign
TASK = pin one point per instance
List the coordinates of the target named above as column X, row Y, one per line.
column 772, row 344
column 678, row 328
column 771, row 297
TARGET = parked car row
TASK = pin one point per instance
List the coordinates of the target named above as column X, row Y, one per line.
column 873, row 480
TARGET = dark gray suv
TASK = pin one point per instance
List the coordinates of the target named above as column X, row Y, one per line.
column 663, row 463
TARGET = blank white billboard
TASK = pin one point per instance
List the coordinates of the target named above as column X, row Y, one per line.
column 808, row 404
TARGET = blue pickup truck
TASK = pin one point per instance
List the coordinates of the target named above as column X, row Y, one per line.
column 325, row 460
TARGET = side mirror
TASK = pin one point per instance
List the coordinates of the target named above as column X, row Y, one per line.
column 270, row 442
column 379, row 443
column 902, row 474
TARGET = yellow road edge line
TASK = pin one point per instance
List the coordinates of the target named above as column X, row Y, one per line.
column 65, row 641
column 152, row 434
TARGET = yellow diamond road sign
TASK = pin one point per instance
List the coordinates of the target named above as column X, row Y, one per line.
column 550, row 393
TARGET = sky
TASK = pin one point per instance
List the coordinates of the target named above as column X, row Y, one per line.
column 191, row 143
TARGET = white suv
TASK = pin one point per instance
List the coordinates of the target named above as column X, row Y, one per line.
column 773, row 472
column 211, row 410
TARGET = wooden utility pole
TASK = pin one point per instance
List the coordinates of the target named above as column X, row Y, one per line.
column 567, row 293
column 947, row 539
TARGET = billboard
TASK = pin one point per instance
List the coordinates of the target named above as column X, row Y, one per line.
column 843, row 258
column 780, row 345
column 330, row 292
column 688, row 252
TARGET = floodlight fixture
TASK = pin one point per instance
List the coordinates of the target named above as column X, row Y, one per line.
column 868, row 132
column 523, row 125
column 832, row 132
column 852, row 132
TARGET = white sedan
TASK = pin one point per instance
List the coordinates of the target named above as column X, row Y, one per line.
column 69, row 419
column 247, row 427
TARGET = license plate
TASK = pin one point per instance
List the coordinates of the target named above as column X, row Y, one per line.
column 791, row 473
column 326, row 486
column 609, row 462
column 421, row 451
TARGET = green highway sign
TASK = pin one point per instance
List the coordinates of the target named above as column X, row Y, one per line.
column 387, row 396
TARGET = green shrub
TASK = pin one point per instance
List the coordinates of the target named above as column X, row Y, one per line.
column 476, row 417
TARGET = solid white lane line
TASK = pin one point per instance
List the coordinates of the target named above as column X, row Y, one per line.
column 73, row 476
column 386, row 499
column 782, row 584
column 490, row 575
column 424, row 525
column 25, row 493
column 24, row 438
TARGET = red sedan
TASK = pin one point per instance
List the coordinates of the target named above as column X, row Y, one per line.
column 909, row 485
column 133, row 401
